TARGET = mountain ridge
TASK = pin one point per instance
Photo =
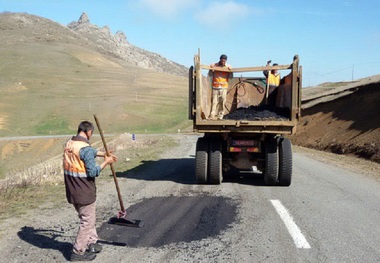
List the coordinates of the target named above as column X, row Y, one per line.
column 82, row 32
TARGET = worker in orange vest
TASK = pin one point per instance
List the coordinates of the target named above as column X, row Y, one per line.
column 219, row 87
column 80, row 171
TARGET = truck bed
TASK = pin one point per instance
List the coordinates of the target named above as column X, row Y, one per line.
column 247, row 108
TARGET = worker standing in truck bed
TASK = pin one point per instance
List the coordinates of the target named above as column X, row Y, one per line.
column 273, row 78
column 219, row 87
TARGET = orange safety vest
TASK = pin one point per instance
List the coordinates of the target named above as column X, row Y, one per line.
column 220, row 78
column 72, row 164
column 80, row 189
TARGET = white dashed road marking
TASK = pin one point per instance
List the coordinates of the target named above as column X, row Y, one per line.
column 298, row 238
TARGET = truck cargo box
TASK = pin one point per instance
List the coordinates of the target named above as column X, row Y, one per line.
column 247, row 107
column 251, row 136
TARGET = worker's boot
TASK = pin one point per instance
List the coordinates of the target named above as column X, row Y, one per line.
column 94, row 248
column 87, row 256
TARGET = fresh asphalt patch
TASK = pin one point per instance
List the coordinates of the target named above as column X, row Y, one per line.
column 173, row 219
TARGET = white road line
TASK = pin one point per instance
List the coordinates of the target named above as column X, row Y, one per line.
column 299, row 239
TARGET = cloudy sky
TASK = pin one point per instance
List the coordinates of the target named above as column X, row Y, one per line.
column 335, row 40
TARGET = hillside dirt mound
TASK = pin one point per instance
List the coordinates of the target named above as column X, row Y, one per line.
column 347, row 125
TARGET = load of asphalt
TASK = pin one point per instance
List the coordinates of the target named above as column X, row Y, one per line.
column 262, row 112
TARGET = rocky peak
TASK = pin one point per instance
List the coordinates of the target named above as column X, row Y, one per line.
column 83, row 19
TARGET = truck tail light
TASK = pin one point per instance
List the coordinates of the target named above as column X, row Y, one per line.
column 253, row 150
column 244, row 149
column 235, row 149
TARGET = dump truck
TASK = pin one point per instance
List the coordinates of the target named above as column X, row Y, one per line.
column 252, row 135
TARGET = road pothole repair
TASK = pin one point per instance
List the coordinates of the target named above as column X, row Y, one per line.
column 173, row 219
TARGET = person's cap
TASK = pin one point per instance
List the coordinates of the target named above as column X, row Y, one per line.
column 223, row 56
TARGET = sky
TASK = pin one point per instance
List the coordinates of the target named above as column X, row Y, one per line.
column 335, row 40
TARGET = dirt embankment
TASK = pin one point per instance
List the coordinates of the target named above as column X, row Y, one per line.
column 348, row 124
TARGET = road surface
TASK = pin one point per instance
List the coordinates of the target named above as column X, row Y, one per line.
column 330, row 213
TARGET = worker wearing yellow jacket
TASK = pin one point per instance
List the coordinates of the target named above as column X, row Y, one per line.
column 273, row 78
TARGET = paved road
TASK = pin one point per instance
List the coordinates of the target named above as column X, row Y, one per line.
column 328, row 214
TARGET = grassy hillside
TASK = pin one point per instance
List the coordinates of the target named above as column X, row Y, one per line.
column 51, row 81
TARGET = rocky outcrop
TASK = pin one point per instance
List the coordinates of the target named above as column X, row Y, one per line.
column 118, row 46
column 83, row 19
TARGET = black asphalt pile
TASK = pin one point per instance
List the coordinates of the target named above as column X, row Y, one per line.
column 262, row 112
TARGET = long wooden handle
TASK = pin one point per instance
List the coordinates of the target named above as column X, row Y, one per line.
column 112, row 169
column 267, row 89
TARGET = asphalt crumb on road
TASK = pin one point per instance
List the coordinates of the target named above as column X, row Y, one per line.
column 173, row 219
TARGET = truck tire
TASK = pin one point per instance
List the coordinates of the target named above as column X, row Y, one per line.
column 215, row 162
column 201, row 160
column 271, row 163
column 285, row 162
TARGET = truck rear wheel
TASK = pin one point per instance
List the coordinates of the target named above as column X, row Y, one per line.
column 201, row 160
column 271, row 162
column 285, row 162
column 215, row 158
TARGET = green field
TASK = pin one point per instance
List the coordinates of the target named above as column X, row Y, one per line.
column 48, row 89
